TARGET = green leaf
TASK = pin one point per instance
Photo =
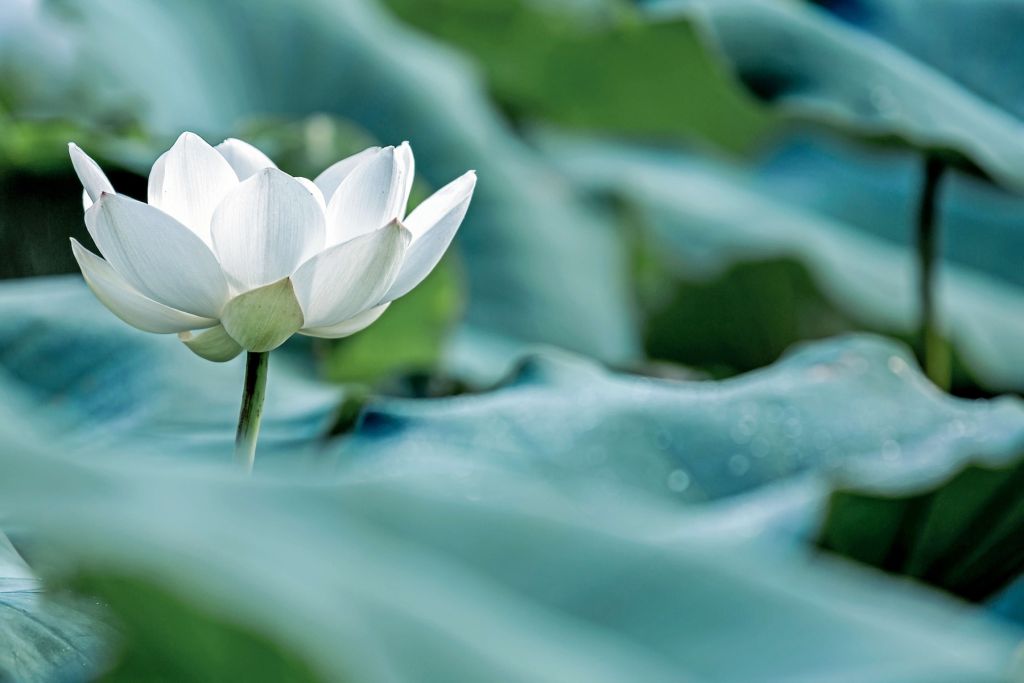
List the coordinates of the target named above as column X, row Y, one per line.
column 596, row 66
column 810, row 66
column 165, row 637
column 959, row 533
column 741, row 319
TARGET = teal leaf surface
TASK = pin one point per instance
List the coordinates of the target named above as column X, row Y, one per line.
column 94, row 385
column 39, row 639
column 978, row 59
column 706, row 215
column 815, row 67
column 487, row 577
column 854, row 408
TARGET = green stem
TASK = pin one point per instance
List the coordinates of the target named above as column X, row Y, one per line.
column 934, row 351
column 252, row 408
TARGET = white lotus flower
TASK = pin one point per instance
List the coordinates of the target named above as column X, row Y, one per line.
column 233, row 254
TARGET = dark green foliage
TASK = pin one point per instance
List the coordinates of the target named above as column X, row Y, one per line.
column 962, row 535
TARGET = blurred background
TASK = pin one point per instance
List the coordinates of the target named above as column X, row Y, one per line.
column 676, row 189
column 664, row 185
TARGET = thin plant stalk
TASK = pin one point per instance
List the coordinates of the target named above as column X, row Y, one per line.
column 252, row 408
column 935, row 352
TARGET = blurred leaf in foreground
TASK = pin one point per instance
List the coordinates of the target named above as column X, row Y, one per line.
column 490, row 576
column 531, row 533
column 41, row 640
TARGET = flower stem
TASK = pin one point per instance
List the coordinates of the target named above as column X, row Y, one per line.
column 935, row 353
column 252, row 408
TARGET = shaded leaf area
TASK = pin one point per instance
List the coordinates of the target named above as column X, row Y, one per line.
column 162, row 636
column 495, row 576
column 761, row 308
column 815, row 67
column 40, row 197
column 93, row 384
column 962, row 536
column 525, row 269
column 595, row 66
column 704, row 215
column 40, row 638
column 35, row 224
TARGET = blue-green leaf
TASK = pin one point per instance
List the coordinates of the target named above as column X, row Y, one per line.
column 92, row 384
column 816, row 68
column 41, row 640
column 707, row 215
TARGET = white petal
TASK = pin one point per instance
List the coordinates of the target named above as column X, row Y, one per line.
column 155, row 187
column 348, row 278
column 265, row 228
column 407, row 166
column 433, row 225
column 94, row 180
column 263, row 319
column 243, row 157
column 315, row 191
column 213, row 344
column 329, row 180
column 193, row 179
column 157, row 255
column 127, row 303
column 346, row 328
column 368, row 199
